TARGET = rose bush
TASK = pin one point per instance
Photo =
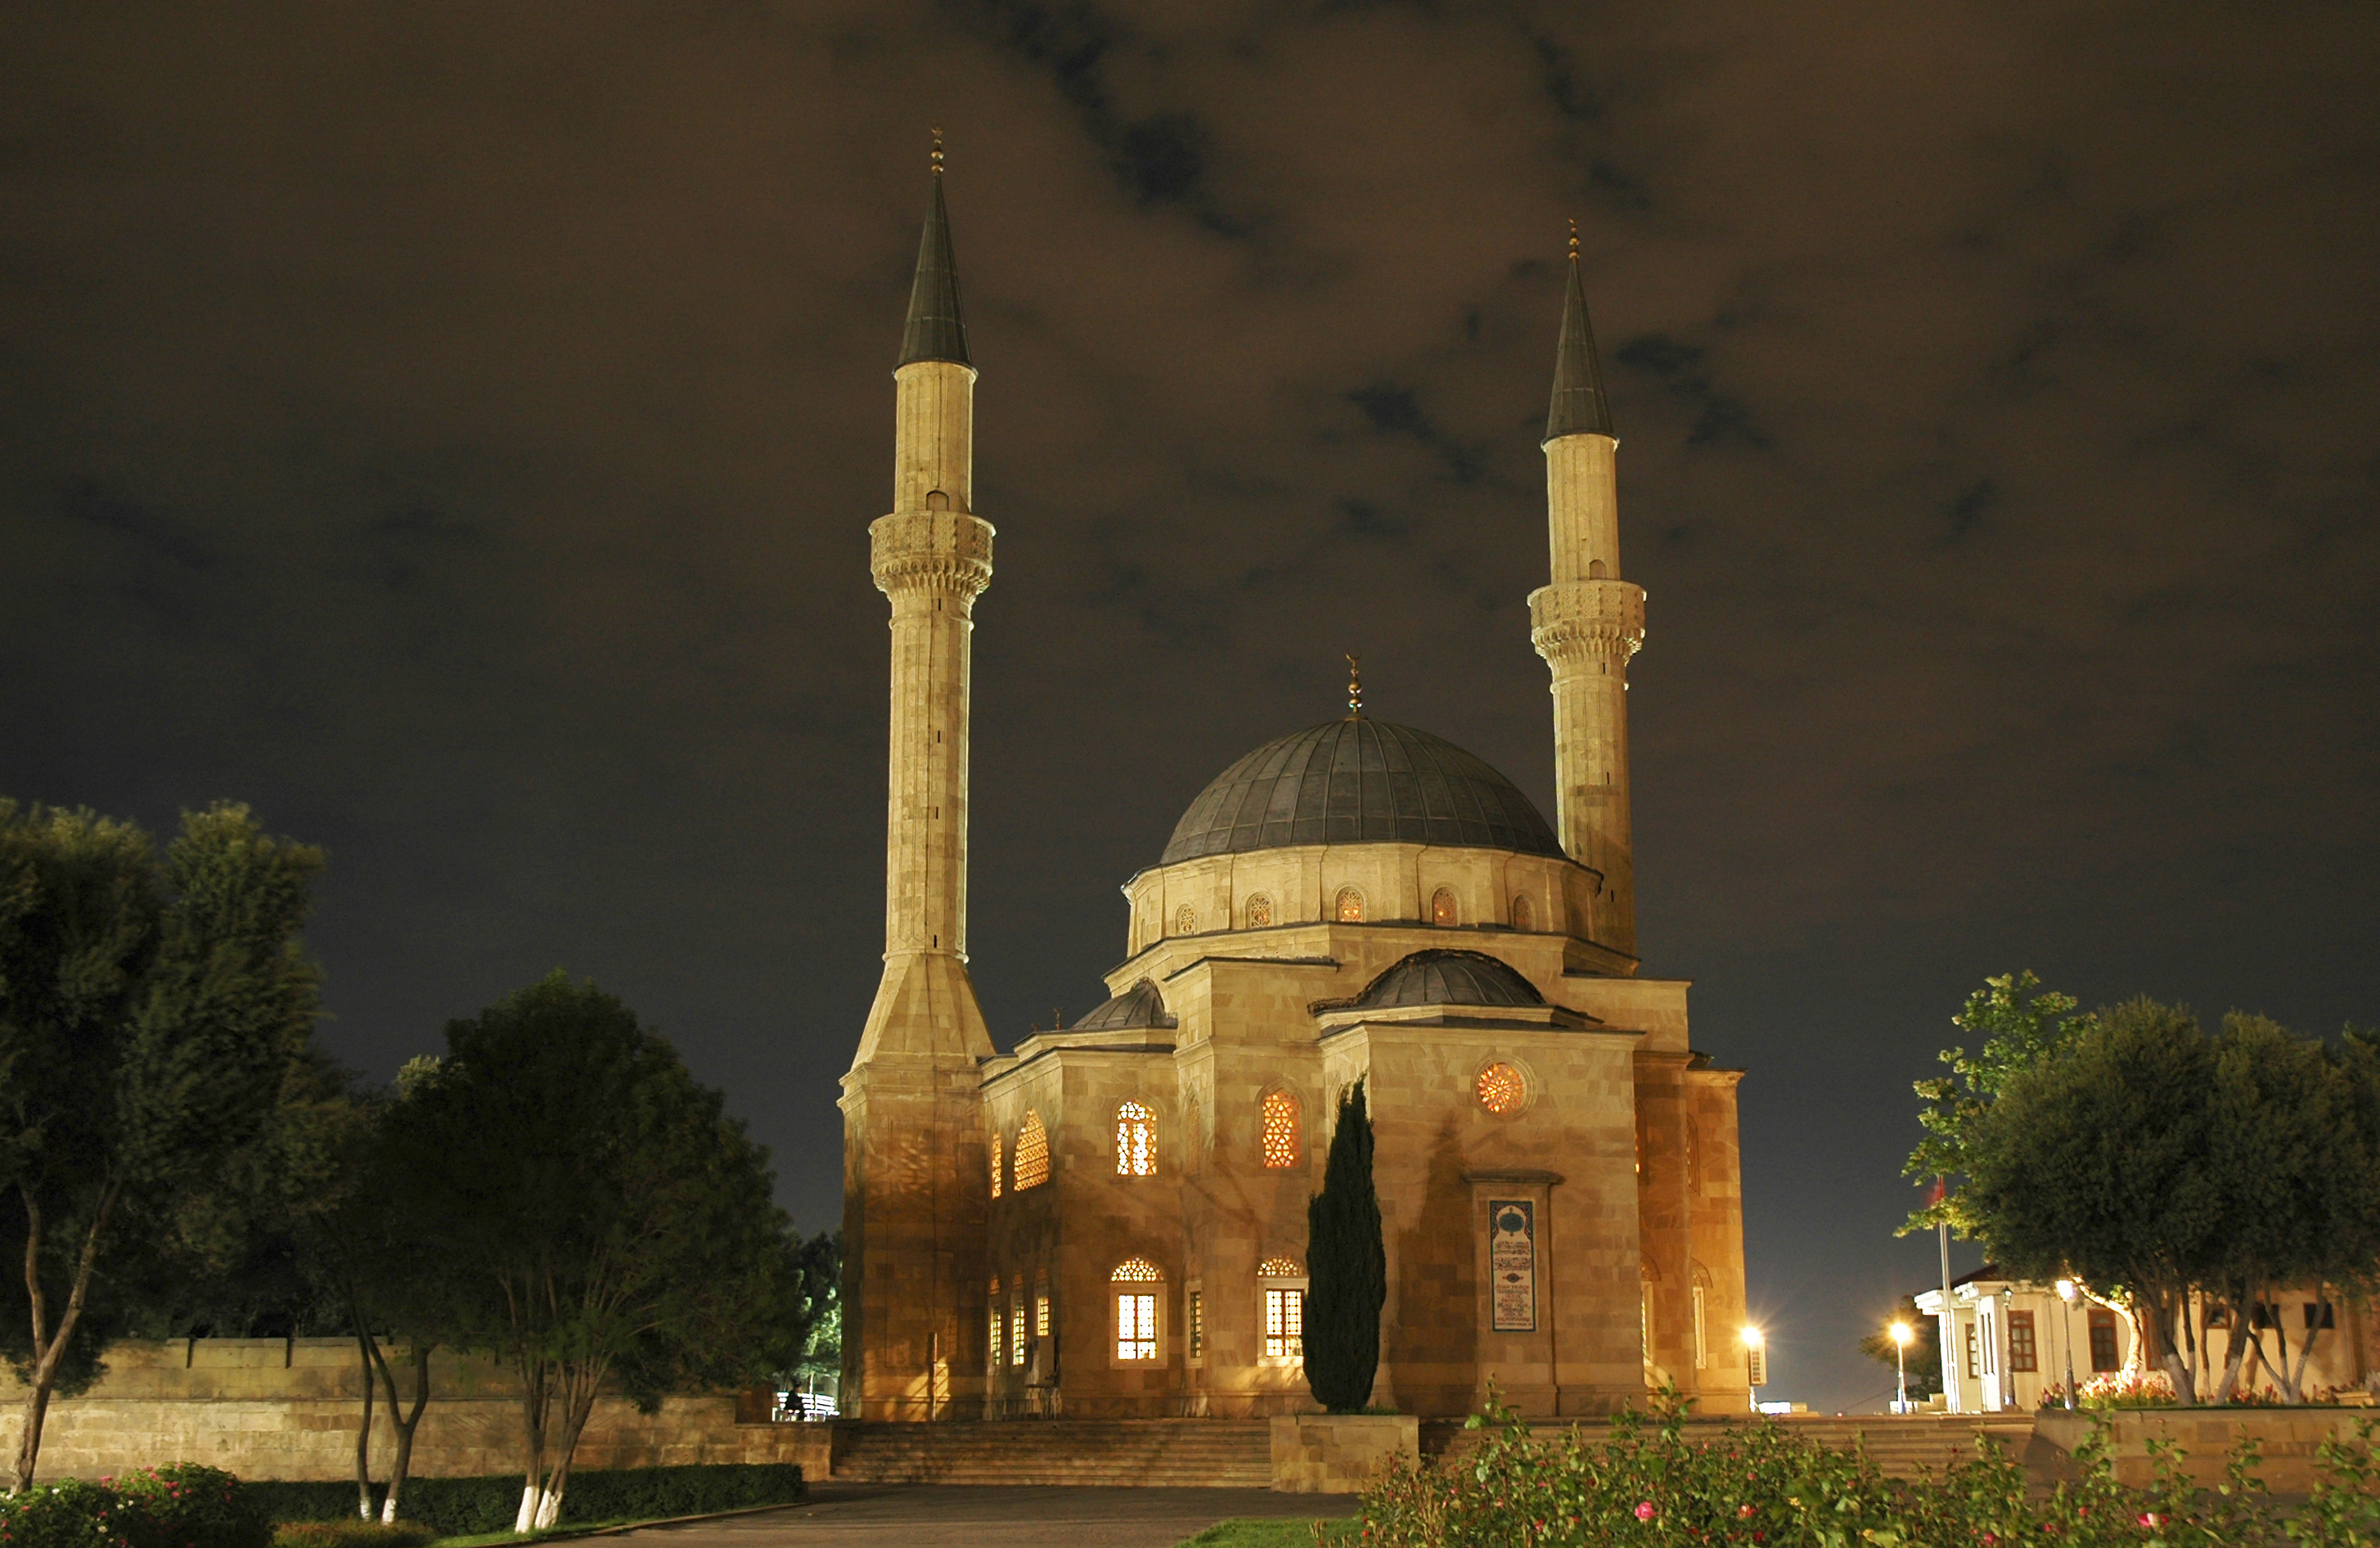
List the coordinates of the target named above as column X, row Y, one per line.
column 1648, row 1484
column 184, row 1505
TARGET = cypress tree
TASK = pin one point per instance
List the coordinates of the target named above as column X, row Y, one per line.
column 1347, row 1267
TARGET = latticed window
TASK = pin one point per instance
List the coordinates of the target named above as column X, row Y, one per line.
column 1136, row 1141
column 1441, row 908
column 1525, row 913
column 1016, row 1325
column 995, row 1322
column 1281, row 1268
column 1042, row 1315
column 1351, row 906
column 1284, row 1323
column 1259, row 912
column 1032, row 1167
column 1501, row 1090
column 1195, row 1305
column 995, row 1165
column 1185, row 921
column 1136, row 1308
column 1279, row 1135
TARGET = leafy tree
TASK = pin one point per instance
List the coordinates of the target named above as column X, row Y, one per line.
column 150, row 1010
column 2016, row 1023
column 1924, row 1347
column 1347, row 1267
column 616, row 1226
column 818, row 1261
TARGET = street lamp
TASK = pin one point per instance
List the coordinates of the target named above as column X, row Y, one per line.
column 2065, row 1290
column 1755, row 1363
column 1902, row 1333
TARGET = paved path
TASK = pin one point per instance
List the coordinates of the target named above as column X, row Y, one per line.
column 958, row 1515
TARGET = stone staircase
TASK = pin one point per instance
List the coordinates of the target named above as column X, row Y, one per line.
column 1903, row 1446
column 1175, row 1453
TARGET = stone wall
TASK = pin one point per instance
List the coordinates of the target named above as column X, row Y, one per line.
column 288, row 1408
column 2289, row 1440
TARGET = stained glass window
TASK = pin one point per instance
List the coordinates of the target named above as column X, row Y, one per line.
column 1351, row 906
column 1441, row 908
column 1136, row 1141
column 1032, row 1167
column 1280, row 1136
column 1259, row 912
column 1501, row 1089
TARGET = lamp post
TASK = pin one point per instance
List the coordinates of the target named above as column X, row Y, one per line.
column 1755, row 1364
column 1902, row 1333
column 2066, row 1289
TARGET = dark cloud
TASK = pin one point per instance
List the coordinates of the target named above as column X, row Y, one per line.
column 455, row 434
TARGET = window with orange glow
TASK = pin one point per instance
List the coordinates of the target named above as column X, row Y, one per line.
column 1441, row 908
column 1501, row 1089
column 1032, row 1154
column 1279, row 1138
column 1351, row 906
column 1136, row 1141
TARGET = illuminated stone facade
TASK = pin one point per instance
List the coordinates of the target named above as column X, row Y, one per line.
column 1111, row 1219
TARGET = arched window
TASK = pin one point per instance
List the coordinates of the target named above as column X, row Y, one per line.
column 1032, row 1154
column 1501, row 1089
column 1136, row 1141
column 1259, row 912
column 1281, row 1268
column 1280, row 1295
column 1441, row 908
column 1351, row 906
column 1134, row 1286
column 1017, row 1321
column 937, row 501
column 1525, row 913
column 1702, row 1315
column 1185, row 921
column 1279, row 1135
column 995, row 1165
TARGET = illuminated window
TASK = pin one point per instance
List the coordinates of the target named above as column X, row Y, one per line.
column 1042, row 1315
column 1135, row 1310
column 1136, row 1141
column 1281, row 1268
column 1259, row 912
column 1525, row 914
column 1501, row 1090
column 995, row 1322
column 1351, row 906
column 1702, row 1342
column 1197, row 1305
column 995, row 1165
column 1185, row 921
column 1441, row 908
column 1280, row 1130
column 1016, row 1325
column 1284, row 1324
column 1032, row 1167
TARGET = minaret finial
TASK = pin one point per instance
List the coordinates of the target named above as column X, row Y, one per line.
column 1579, row 406
column 935, row 331
column 938, row 172
column 1354, row 688
column 1573, row 224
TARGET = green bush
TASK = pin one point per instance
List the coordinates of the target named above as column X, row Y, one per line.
column 354, row 1532
column 1646, row 1485
column 463, row 1506
column 184, row 1505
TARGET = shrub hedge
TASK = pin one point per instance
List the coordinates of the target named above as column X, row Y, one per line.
column 1648, row 1486
column 459, row 1506
column 354, row 1532
column 181, row 1506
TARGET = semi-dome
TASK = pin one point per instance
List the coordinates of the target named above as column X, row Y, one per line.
column 1141, row 1006
column 1359, row 780
column 1446, row 978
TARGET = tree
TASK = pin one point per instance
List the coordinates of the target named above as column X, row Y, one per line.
column 818, row 1261
column 150, row 1011
column 1924, row 1347
column 618, row 1228
column 1347, row 1267
column 2016, row 1023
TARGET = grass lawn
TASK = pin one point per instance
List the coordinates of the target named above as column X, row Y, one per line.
column 1247, row 1533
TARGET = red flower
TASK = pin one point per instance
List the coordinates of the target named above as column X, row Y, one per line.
column 1742, row 1511
column 1645, row 1511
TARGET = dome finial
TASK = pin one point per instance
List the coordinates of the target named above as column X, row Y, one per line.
column 1354, row 688
column 938, row 172
column 1573, row 224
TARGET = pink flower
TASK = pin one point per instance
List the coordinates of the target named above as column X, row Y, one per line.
column 2151, row 1519
column 1645, row 1511
column 1742, row 1511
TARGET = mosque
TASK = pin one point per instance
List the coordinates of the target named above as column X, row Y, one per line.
column 1110, row 1222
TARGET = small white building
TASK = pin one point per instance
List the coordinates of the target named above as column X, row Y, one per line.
column 2008, row 1341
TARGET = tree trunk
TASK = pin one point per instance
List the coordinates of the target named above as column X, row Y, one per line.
column 536, row 1400
column 404, row 1423
column 578, row 1393
column 365, row 1346
column 49, row 1347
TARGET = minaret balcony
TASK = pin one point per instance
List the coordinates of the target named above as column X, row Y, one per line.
column 945, row 552
column 1590, row 619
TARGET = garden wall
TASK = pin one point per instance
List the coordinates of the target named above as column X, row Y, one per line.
column 288, row 1408
column 2289, row 1438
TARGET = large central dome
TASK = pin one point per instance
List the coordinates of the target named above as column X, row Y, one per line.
column 1358, row 781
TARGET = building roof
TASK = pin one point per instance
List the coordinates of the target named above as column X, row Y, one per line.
column 936, row 332
column 1579, row 406
column 1446, row 978
column 1141, row 1006
column 1358, row 781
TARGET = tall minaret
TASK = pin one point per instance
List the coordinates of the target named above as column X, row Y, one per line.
column 915, row 1164
column 1588, row 622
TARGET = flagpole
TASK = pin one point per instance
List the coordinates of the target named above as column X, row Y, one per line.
column 1946, row 1323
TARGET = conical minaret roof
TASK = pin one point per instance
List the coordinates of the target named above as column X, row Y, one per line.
column 1579, row 406
column 936, row 332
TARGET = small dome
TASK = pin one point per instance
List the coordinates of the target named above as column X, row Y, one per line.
column 1359, row 780
column 1446, row 978
column 1141, row 1006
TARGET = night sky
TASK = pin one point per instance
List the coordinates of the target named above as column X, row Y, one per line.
column 452, row 430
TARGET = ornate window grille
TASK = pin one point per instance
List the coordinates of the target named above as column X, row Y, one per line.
column 1136, row 1141
column 1259, row 912
column 1351, row 906
column 1501, row 1090
column 1442, row 911
column 1280, row 1130
column 1032, row 1168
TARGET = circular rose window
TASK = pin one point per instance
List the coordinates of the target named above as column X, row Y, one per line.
column 1501, row 1089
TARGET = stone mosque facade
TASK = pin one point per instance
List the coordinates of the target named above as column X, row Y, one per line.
column 1110, row 1221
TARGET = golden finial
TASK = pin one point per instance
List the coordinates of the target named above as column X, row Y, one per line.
column 1354, row 686
column 938, row 157
column 1573, row 241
